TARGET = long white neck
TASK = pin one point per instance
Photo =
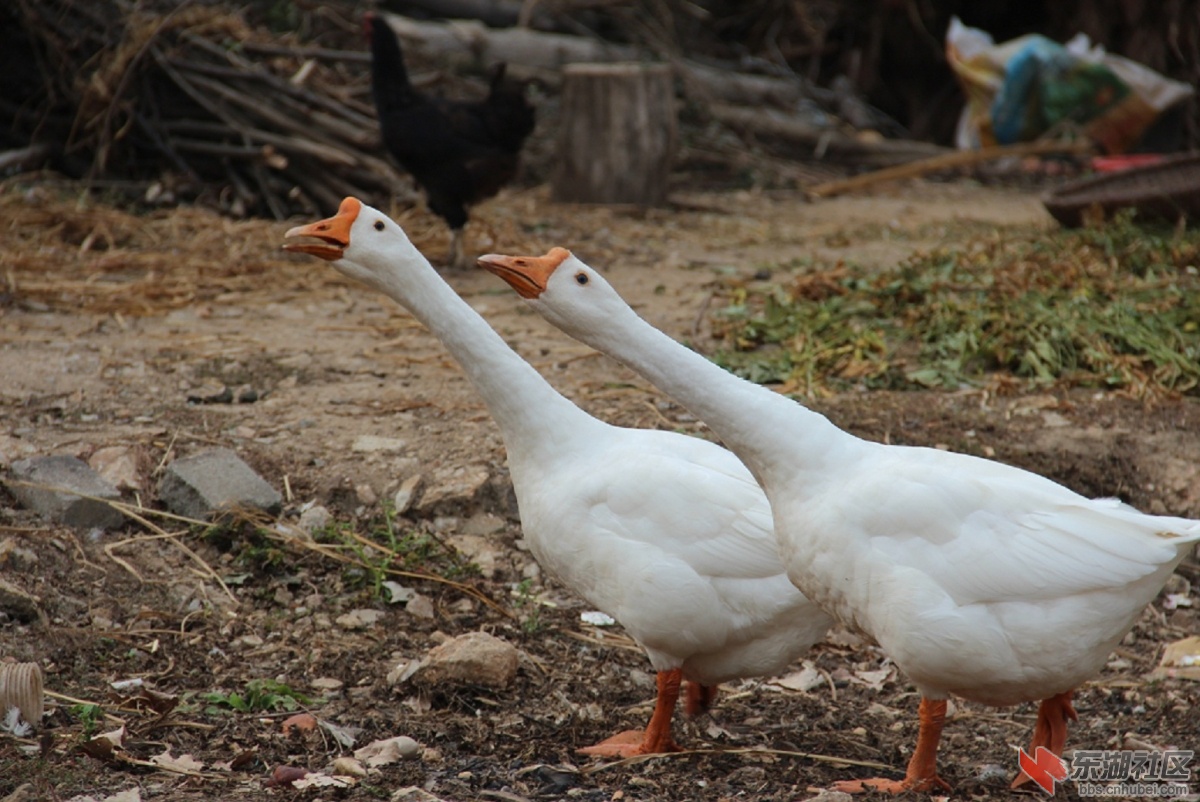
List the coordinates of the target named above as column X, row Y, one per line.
column 533, row 417
column 777, row 439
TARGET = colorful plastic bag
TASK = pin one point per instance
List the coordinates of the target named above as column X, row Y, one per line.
column 1024, row 88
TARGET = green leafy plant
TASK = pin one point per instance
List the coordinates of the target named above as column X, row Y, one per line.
column 525, row 600
column 385, row 549
column 1115, row 307
column 89, row 716
column 260, row 696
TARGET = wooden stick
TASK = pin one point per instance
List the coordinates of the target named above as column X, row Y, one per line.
column 961, row 158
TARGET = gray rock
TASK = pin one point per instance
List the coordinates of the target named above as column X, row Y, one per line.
column 14, row 557
column 453, row 490
column 19, row 604
column 54, row 487
column 403, row 499
column 475, row 658
column 212, row 481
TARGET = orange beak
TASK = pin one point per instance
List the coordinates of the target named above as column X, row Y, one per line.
column 525, row 274
column 334, row 233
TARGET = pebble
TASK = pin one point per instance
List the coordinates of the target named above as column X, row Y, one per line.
column 403, row 499
column 475, row 658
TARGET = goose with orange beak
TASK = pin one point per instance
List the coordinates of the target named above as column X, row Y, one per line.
column 666, row 533
column 978, row 579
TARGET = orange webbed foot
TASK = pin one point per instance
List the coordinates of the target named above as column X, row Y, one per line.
column 628, row 744
column 883, row 785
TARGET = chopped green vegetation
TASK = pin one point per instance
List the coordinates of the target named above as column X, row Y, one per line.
column 1116, row 306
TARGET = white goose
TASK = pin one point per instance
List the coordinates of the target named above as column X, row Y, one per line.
column 980, row 580
column 668, row 534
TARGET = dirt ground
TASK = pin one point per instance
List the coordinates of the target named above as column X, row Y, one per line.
column 109, row 324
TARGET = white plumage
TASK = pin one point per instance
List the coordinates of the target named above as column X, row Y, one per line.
column 668, row 534
column 979, row 579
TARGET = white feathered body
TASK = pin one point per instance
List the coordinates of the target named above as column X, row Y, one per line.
column 977, row 578
column 671, row 536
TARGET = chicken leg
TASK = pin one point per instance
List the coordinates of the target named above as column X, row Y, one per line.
column 657, row 736
column 457, row 260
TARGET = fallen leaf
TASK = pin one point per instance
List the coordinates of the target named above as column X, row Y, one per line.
column 345, row 736
column 184, row 764
column 388, row 750
column 805, row 679
column 301, row 723
column 874, row 679
column 132, row 795
column 348, row 767
column 1180, row 660
column 319, row 780
column 285, row 775
column 105, row 745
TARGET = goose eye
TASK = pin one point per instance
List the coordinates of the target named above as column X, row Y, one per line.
column 379, row 225
column 581, row 278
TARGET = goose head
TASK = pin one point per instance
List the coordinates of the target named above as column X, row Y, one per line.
column 564, row 290
column 361, row 242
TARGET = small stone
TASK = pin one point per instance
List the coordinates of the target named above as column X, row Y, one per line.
column 17, row 603
column 420, row 607
column 48, row 486
column 120, row 465
column 315, row 519
column 452, row 490
column 475, row 658
column 366, row 495
column 14, row 557
column 359, row 619
column 478, row 550
column 403, row 499
column 327, row 684
column 483, row 523
column 212, row 481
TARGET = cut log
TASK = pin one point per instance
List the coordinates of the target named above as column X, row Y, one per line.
column 617, row 136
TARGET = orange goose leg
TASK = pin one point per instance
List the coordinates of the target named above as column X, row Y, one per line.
column 1051, row 728
column 657, row 736
column 922, row 767
column 699, row 698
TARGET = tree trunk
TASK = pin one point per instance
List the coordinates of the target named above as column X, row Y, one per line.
column 617, row 135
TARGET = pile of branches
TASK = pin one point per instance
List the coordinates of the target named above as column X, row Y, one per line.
column 190, row 102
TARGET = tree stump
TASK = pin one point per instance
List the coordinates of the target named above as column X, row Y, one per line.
column 617, row 136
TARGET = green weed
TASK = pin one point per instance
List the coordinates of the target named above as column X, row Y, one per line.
column 260, row 696
column 90, row 716
column 384, row 549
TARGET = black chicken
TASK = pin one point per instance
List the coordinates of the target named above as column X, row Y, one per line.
column 460, row 152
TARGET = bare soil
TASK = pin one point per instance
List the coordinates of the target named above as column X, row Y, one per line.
column 110, row 322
